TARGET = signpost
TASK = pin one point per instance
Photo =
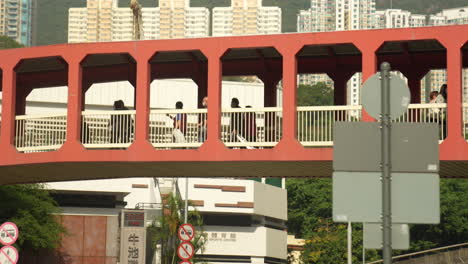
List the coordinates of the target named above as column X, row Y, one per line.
column 8, row 255
column 394, row 180
column 8, row 235
column 186, row 232
column 185, row 250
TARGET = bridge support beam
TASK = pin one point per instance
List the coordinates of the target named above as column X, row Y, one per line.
column 414, row 77
column 142, row 101
column 202, row 82
column 75, row 103
column 270, row 82
column 368, row 49
column 454, row 92
column 340, row 83
column 21, row 95
column 8, row 108
column 290, row 66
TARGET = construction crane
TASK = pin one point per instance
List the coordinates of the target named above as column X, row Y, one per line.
column 137, row 20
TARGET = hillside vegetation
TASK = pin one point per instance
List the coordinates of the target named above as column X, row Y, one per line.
column 52, row 15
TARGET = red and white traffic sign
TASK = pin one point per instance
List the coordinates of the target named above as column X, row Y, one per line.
column 8, row 255
column 186, row 232
column 8, row 233
column 185, row 262
column 185, row 250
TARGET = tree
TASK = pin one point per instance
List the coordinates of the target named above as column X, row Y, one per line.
column 314, row 95
column 8, row 43
column 165, row 229
column 310, row 217
column 32, row 209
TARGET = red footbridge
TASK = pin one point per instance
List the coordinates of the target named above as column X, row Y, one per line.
column 287, row 141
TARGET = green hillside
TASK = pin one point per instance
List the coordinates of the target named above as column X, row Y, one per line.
column 52, row 15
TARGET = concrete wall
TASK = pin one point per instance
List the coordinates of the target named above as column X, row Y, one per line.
column 89, row 240
column 249, row 241
column 262, row 196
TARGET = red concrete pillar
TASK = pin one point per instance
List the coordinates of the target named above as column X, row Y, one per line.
column 7, row 135
column 368, row 49
column 289, row 95
column 454, row 91
column 75, row 101
column 142, row 96
column 270, row 82
column 214, row 96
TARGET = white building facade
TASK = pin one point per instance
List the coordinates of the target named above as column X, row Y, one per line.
column 246, row 17
column 172, row 19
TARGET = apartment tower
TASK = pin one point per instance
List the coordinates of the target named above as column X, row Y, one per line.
column 246, row 17
column 16, row 18
column 172, row 19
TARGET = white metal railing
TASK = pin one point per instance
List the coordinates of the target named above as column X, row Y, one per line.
column 34, row 133
column 427, row 113
column 107, row 129
column 178, row 128
column 251, row 128
column 246, row 127
column 315, row 123
column 465, row 121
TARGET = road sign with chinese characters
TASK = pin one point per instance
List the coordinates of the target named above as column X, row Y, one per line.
column 133, row 239
column 8, row 233
column 8, row 255
column 186, row 232
column 185, row 250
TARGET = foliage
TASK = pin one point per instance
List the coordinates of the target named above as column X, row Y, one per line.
column 52, row 15
column 314, row 95
column 32, row 209
column 453, row 227
column 310, row 217
column 8, row 43
column 165, row 230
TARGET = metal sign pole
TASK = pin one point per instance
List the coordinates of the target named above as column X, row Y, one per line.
column 386, row 163
column 186, row 201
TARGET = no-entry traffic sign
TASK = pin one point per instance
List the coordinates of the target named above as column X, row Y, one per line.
column 8, row 233
column 8, row 255
column 186, row 232
column 185, row 250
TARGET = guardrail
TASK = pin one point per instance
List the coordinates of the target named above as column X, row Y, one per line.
column 37, row 133
column 427, row 113
column 107, row 129
column 251, row 128
column 178, row 128
column 315, row 123
column 240, row 127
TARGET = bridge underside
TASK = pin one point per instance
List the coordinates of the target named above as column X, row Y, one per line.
column 101, row 170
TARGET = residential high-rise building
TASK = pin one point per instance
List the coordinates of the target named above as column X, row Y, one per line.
column 246, row 17
column 333, row 15
column 172, row 19
column 16, row 20
column 452, row 16
column 397, row 18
